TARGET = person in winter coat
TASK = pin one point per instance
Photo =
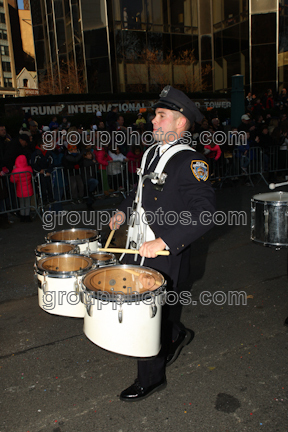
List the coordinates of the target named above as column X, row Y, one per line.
column 103, row 159
column 42, row 164
column 21, row 176
column 73, row 162
column 134, row 157
column 115, row 169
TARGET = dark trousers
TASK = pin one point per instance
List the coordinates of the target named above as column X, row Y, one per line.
column 175, row 269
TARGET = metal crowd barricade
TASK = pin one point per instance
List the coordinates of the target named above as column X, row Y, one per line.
column 12, row 194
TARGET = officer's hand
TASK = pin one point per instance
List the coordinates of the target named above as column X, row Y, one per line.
column 149, row 249
column 117, row 220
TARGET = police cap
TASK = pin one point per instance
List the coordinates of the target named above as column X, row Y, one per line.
column 176, row 100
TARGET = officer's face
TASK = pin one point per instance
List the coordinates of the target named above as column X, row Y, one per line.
column 163, row 123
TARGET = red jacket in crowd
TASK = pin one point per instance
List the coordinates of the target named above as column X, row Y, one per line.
column 102, row 158
column 22, row 177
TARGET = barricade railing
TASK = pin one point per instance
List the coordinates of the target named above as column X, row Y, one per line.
column 87, row 183
column 237, row 163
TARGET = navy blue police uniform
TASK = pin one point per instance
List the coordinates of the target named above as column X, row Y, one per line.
column 179, row 212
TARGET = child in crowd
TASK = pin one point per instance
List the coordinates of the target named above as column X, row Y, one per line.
column 22, row 178
column 103, row 159
column 89, row 176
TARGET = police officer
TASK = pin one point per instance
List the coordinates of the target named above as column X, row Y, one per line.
column 179, row 206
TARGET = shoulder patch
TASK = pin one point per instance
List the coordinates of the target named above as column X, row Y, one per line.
column 200, row 170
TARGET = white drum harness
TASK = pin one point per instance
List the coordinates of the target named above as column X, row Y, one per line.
column 139, row 230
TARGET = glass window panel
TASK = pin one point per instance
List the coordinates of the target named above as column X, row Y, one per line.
column 58, row 8
column 264, row 28
column 98, row 75
column 93, row 14
column 38, row 32
column 49, row 6
column 119, row 44
column 218, row 44
column 132, row 13
column 96, row 43
column 263, row 63
column 181, row 43
column 244, row 35
column 218, row 74
column 52, row 46
column 263, row 6
column 231, row 10
column 36, row 12
column 60, row 32
column 195, row 47
column 133, row 44
column 207, row 76
column 194, row 13
column 177, row 13
column 205, row 17
column 206, row 48
column 231, row 41
column 76, row 23
column 40, row 54
column 50, row 22
column 67, row 7
column 218, row 12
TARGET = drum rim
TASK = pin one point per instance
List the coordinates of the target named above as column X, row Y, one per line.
column 124, row 298
column 86, row 240
column 39, row 253
column 60, row 274
column 273, row 202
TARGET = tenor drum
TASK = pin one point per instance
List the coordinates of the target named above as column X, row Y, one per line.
column 59, row 284
column 86, row 240
column 124, row 308
column 51, row 249
column 102, row 259
column 269, row 219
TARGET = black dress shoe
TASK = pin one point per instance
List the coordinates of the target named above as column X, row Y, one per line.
column 136, row 393
column 184, row 338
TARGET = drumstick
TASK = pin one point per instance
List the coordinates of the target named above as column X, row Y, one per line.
column 109, row 239
column 273, row 185
column 129, row 251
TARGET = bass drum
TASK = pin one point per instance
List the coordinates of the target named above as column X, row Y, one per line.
column 269, row 219
column 59, row 284
column 88, row 241
column 124, row 308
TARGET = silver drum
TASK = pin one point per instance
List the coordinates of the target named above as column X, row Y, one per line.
column 269, row 219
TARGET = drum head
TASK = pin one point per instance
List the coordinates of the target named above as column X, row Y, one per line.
column 272, row 197
column 65, row 264
column 102, row 256
column 72, row 235
column 54, row 248
column 125, row 279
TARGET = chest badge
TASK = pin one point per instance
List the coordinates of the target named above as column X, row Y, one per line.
column 200, row 170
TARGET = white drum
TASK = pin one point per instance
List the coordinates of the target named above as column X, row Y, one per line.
column 59, row 284
column 102, row 259
column 51, row 249
column 88, row 241
column 124, row 309
column 269, row 219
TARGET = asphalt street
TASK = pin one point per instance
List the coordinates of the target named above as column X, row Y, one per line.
column 232, row 377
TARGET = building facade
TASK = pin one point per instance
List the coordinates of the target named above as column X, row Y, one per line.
column 141, row 45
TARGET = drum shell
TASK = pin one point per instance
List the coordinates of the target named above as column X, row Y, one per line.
column 269, row 221
column 138, row 335
column 127, row 325
column 40, row 255
column 86, row 245
column 60, row 293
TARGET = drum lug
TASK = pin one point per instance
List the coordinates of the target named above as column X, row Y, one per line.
column 120, row 315
column 77, row 250
column 44, row 283
column 266, row 221
column 76, row 285
column 88, row 309
column 153, row 310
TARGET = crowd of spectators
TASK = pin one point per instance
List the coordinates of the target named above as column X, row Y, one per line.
column 96, row 172
column 86, row 169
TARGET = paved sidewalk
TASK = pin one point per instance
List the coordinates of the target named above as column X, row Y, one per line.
column 232, row 377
